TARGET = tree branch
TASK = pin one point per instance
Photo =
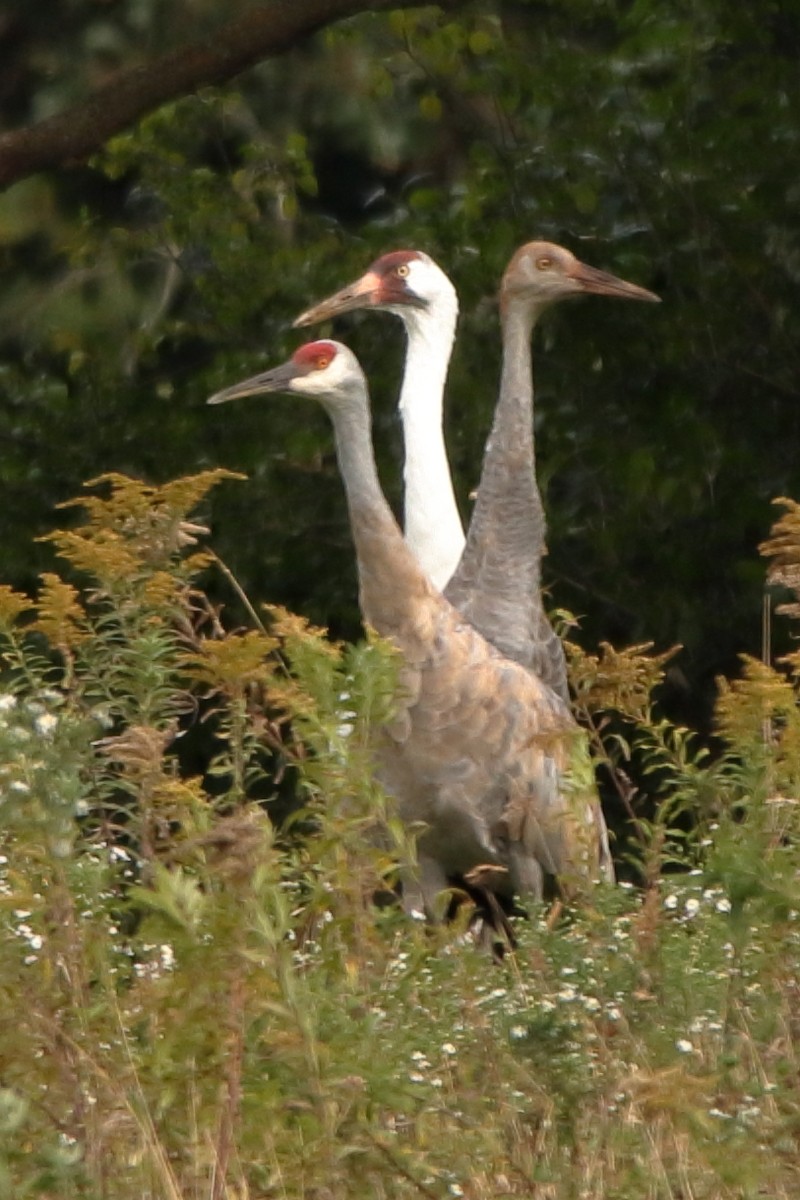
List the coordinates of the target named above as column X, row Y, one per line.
column 71, row 136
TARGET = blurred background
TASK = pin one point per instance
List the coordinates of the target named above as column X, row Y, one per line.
column 656, row 139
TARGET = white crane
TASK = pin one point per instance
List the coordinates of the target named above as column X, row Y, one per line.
column 487, row 757
column 410, row 284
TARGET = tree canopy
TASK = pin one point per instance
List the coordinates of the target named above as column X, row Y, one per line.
column 653, row 138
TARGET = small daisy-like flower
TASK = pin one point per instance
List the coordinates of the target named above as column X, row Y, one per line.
column 415, row 1077
column 45, row 724
column 7, row 702
column 517, row 1032
column 671, row 901
column 684, row 1046
column 723, row 905
column 448, row 1048
column 692, row 906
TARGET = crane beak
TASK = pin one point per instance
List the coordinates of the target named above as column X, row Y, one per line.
column 363, row 293
column 601, row 283
column 279, row 379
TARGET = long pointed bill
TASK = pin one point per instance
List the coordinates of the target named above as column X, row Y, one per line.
column 603, row 284
column 276, row 380
column 361, row 294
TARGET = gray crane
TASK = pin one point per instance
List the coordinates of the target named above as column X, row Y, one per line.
column 479, row 750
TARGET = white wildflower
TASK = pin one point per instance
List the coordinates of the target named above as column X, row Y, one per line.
column 448, row 1048
column 455, row 1190
column 723, row 905
column 692, row 906
column 613, row 1013
column 591, row 1003
column 671, row 901
column 46, row 724
column 19, row 785
column 7, row 702
column 517, row 1032
column 684, row 1046
column 415, row 1077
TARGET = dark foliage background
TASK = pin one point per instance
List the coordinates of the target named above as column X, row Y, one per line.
column 657, row 139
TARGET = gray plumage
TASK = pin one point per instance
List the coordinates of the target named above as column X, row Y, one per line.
column 479, row 750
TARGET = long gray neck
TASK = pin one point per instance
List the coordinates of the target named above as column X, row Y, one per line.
column 497, row 583
column 390, row 577
column 512, row 428
column 356, row 456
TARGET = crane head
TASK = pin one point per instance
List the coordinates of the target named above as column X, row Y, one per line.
column 543, row 273
column 325, row 369
column 400, row 282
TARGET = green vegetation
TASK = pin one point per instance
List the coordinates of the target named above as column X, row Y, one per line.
column 656, row 139
column 207, row 1006
column 199, row 997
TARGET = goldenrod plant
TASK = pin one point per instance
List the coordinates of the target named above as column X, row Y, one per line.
column 202, row 1001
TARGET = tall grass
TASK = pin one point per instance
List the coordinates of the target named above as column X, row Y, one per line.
column 199, row 1005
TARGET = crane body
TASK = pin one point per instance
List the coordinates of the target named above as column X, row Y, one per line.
column 479, row 751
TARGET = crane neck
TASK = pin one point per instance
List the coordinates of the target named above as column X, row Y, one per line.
column 517, row 319
column 432, row 521
column 390, row 577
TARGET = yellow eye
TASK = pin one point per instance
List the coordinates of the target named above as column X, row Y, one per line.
column 544, row 263
column 402, row 270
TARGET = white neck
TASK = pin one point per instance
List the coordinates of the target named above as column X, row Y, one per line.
column 433, row 526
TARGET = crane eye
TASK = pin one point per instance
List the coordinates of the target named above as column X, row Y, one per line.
column 321, row 362
column 402, row 270
column 544, row 263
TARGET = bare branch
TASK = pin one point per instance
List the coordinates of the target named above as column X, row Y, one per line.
column 71, row 136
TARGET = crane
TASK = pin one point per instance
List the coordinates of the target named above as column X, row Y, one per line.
column 497, row 581
column 412, row 286
column 481, row 752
